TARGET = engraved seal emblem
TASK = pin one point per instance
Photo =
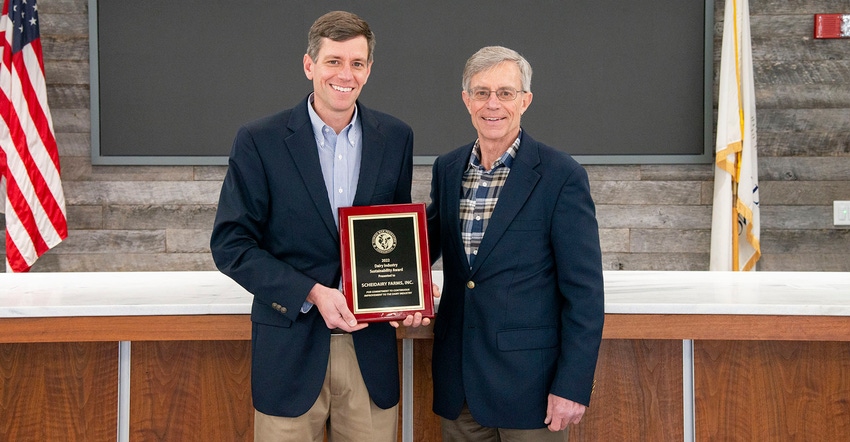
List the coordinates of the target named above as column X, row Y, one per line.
column 383, row 241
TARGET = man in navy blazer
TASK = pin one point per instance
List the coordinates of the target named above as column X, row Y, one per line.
column 313, row 366
column 519, row 325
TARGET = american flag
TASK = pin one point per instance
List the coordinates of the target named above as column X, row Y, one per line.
column 29, row 160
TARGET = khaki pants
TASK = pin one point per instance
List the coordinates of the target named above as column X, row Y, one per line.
column 343, row 407
column 465, row 429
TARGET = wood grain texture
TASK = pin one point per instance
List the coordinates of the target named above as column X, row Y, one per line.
column 698, row 260
column 805, row 262
column 804, row 7
column 827, row 241
column 802, row 96
column 63, row 6
column 638, row 393
column 238, row 327
column 669, row 240
column 805, row 169
column 126, row 262
column 653, row 216
column 785, row 218
column 58, row 391
column 727, row 327
column 646, row 192
column 126, row 328
column 802, row 72
column 807, row 193
column 762, row 390
column 426, row 424
column 191, row 391
column 152, row 217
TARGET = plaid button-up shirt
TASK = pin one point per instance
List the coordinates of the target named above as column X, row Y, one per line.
column 481, row 189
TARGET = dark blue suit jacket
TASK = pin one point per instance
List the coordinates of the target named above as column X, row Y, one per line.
column 275, row 235
column 526, row 319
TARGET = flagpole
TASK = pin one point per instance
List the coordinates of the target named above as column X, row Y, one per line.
column 735, row 257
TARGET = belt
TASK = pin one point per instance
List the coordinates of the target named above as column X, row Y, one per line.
column 339, row 331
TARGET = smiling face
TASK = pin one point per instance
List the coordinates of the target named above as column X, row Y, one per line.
column 339, row 72
column 497, row 122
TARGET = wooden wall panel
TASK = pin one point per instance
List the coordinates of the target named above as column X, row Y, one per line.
column 191, row 391
column 59, row 391
column 426, row 424
column 638, row 392
column 772, row 390
column 200, row 391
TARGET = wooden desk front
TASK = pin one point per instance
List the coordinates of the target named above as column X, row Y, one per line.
column 754, row 377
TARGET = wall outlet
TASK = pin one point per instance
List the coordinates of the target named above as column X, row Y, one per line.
column 841, row 213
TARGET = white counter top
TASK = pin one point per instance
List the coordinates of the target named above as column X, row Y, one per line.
column 120, row 294
column 733, row 293
column 626, row 292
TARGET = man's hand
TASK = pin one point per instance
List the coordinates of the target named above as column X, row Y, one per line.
column 333, row 308
column 561, row 412
column 416, row 319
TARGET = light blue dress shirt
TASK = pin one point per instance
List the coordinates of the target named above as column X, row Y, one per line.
column 339, row 155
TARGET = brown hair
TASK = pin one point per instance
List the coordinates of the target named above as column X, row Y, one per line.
column 338, row 26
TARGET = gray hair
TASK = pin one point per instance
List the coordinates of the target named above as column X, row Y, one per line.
column 488, row 57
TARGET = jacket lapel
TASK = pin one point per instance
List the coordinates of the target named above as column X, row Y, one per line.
column 370, row 159
column 302, row 146
column 452, row 182
column 520, row 183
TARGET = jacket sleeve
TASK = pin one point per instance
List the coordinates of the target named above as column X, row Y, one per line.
column 240, row 225
column 575, row 241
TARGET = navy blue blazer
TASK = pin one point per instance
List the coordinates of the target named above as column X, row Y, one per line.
column 275, row 235
column 526, row 319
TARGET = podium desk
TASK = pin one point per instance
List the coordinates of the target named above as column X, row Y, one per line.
column 685, row 356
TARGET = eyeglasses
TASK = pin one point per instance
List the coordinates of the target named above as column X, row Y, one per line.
column 503, row 94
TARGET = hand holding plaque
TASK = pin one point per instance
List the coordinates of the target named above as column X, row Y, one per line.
column 386, row 270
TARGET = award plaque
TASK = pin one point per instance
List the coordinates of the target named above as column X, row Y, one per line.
column 386, row 271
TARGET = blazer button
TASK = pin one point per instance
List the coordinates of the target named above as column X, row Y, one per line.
column 470, row 285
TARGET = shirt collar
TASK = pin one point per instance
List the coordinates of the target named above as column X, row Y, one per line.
column 507, row 158
column 353, row 128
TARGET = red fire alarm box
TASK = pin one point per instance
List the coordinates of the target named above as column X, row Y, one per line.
column 832, row 25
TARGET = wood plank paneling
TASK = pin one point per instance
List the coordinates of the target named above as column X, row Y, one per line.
column 638, row 392
column 762, row 390
column 191, row 391
column 827, row 241
column 426, row 424
column 147, row 217
column 807, row 169
column 805, row 262
column 655, row 261
column 59, row 391
column 727, row 327
column 807, row 193
column 126, row 328
column 646, row 192
column 181, row 388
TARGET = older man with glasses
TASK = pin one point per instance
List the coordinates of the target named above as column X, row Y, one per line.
column 519, row 325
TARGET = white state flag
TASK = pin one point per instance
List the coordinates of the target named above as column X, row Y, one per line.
column 736, row 159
